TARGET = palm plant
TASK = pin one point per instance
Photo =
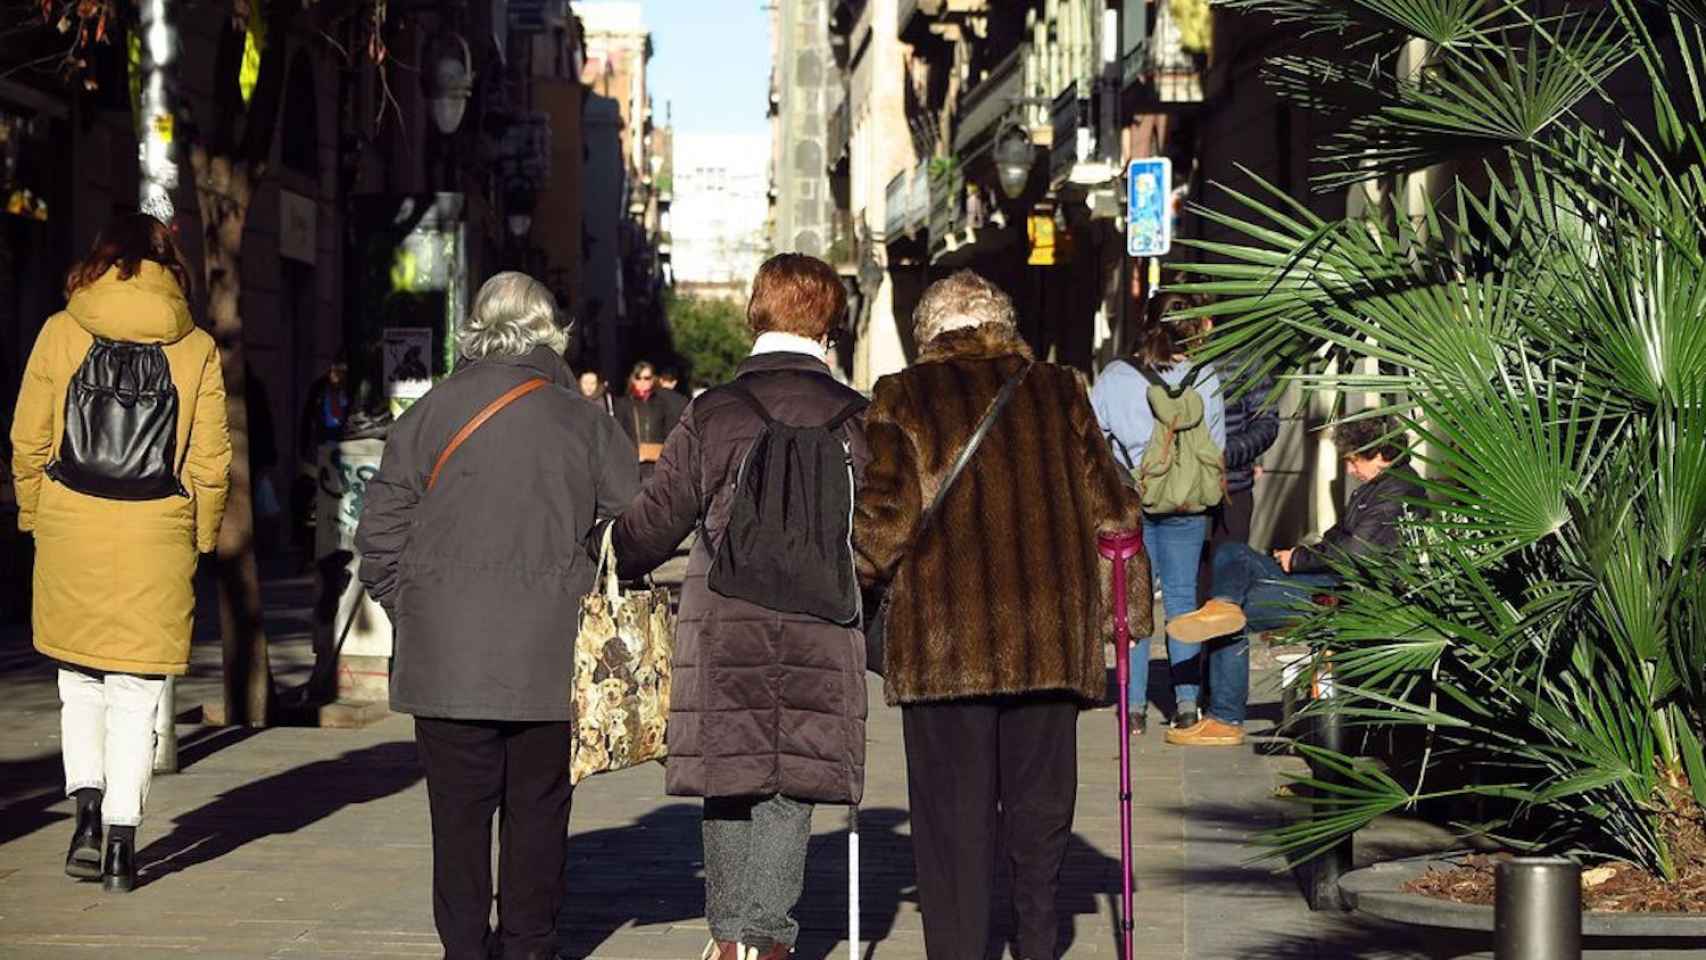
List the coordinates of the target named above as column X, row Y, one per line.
column 1539, row 322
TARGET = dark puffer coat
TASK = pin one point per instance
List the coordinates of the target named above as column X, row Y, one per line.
column 1370, row 523
column 1252, row 426
column 1000, row 595
column 483, row 577
column 761, row 702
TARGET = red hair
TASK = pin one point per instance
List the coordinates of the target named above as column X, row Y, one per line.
column 124, row 243
column 797, row 294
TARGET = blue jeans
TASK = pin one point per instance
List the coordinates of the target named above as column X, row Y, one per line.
column 1269, row 597
column 1174, row 544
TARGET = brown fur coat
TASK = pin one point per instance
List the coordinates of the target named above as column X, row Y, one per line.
column 1001, row 594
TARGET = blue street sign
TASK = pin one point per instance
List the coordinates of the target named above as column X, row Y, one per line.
column 1149, row 207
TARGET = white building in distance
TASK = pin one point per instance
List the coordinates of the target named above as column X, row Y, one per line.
column 717, row 221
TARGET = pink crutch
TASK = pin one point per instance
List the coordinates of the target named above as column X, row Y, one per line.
column 1121, row 547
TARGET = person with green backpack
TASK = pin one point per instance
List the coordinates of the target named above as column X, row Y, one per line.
column 1166, row 419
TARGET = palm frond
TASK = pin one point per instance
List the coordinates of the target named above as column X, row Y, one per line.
column 1478, row 98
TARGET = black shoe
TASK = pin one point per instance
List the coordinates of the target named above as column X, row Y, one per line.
column 1186, row 718
column 119, row 870
column 83, row 859
column 1137, row 725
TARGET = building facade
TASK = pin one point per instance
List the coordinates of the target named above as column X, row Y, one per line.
column 626, row 265
column 805, row 90
column 375, row 211
column 942, row 95
column 721, row 205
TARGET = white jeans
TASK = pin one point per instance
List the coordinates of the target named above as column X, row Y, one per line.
column 107, row 736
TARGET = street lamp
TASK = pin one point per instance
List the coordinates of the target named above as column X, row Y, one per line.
column 452, row 82
column 1014, row 157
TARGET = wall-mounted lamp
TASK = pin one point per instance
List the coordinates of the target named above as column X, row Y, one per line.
column 451, row 81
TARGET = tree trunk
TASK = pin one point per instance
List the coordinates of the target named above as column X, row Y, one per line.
column 224, row 188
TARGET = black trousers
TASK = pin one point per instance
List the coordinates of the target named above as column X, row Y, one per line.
column 973, row 768
column 473, row 769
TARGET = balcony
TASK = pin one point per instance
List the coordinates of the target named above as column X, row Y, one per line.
column 911, row 15
column 985, row 106
column 907, row 203
column 1073, row 122
column 843, row 252
column 947, row 201
column 1166, row 68
column 840, row 135
column 537, row 16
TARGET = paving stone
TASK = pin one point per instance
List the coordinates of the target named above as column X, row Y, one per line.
column 299, row 843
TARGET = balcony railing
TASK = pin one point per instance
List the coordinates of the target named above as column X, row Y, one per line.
column 907, row 202
column 1165, row 70
column 984, row 106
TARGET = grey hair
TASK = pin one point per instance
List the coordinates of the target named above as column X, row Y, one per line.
column 512, row 314
column 961, row 300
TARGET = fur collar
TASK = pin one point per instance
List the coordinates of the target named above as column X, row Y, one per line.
column 982, row 342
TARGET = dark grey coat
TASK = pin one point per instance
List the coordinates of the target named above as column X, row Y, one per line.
column 762, row 702
column 483, row 577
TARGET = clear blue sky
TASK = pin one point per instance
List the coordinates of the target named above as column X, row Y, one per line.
column 711, row 62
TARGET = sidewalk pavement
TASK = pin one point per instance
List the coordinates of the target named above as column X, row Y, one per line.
column 294, row 842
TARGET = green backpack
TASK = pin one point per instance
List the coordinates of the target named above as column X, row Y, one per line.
column 1181, row 471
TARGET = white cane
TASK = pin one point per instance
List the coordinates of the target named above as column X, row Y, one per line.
column 853, row 882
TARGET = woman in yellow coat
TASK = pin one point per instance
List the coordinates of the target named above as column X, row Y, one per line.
column 113, row 598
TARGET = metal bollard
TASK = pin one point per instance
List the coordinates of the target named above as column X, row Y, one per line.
column 1322, row 873
column 1537, row 911
column 166, row 729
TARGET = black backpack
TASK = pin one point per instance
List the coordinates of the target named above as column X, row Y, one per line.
column 121, row 425
column 789, row 541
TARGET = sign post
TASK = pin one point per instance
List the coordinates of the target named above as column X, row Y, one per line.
column 1149, row 201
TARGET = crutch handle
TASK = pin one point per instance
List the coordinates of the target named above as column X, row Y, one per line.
column 1120, row 544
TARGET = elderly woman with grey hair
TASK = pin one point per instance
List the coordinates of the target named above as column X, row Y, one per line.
column 995, row 619
column 471, row 538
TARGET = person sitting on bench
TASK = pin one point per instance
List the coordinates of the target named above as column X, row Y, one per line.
column 1255, row 591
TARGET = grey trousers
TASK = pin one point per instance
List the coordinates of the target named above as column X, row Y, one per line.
column 755, row 868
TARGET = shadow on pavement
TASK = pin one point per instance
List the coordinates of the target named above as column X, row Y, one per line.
column 282, row 803
column 1089, row 880
column 1355, row 939
column 642, row 873
column 28, row 788
column 885, row 882
column 650, row 872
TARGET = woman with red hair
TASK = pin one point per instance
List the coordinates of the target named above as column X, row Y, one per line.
column 120, row 456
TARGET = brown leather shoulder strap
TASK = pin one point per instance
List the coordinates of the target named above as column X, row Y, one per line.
column 512, row 395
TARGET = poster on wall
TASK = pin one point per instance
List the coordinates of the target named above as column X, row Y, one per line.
column 408, row 366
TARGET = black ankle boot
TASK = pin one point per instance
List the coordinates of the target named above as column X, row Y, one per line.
column 119, row 869
column 83, row 859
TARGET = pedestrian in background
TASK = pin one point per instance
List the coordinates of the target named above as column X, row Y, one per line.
column 113, row 596
column 767, row 708
column 321, row 423
column 669, row 392
column 493, row 517
column 644, row 415
column 994, row 637
column 1174, row 541
column 1252, row 427
column 1254, row 591
column 593, row 388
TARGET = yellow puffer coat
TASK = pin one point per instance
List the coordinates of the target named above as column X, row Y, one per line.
column 113, row 577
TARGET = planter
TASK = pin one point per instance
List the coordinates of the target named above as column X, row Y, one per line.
column 1378, row 891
